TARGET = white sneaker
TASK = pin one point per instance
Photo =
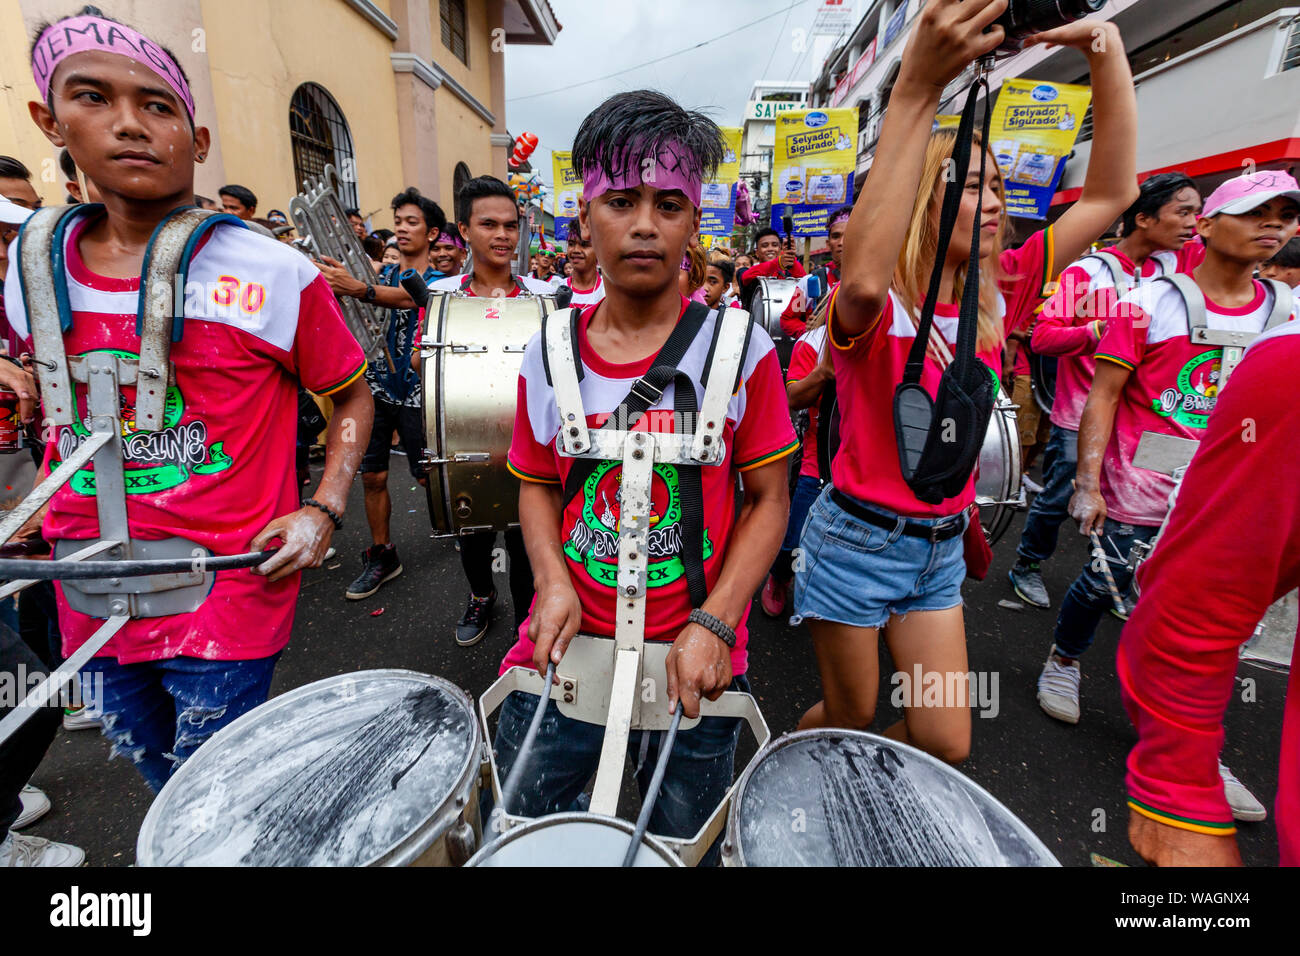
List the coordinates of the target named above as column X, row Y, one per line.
column 1031, row 485
column 1244, row 805
column 1058, row 689
column 80, row 719
column 35, row 805
column 19, row 850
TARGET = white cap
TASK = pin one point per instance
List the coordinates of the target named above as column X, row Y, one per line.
column 11, row 213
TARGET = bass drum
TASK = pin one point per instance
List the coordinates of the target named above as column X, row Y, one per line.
column 863, row 800
column 769, row 300
column 572, row 839
column 1042, row 380
column 374, row 768
column 472, row 350
column 998, row 491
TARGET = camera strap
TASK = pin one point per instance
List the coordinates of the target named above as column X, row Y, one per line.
column 939, row 439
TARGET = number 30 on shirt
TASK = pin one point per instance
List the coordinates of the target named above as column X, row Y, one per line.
column 231, row 291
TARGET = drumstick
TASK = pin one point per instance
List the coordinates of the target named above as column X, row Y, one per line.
column 521, row 758
column 652, row 792
column 1099, row 553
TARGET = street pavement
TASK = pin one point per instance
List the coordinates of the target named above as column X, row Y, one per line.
column 1065, row 782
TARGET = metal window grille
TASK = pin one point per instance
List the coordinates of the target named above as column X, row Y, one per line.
column 1291, row 58
column 452, row 15
column 320, row 136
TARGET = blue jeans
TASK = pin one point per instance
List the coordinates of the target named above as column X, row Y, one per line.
column 566, row 752
column 160, row 712
column 1089, row 596
column 1050, row 506
column 806, row 490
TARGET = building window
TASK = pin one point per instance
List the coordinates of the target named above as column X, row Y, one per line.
column 452, row 14
column 459, row 177
column 320, row 137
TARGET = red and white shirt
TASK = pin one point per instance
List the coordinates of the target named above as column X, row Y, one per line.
column 1232, row 548
column 463, row 283
column 586, row 296
column 259, row 319
column 794, row 318
column 1172, row 389
column 757, row 432
column 1069, row 323
column 805, row 357
column 869, row 367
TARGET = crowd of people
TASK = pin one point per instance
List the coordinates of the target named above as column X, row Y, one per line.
column 807, row 506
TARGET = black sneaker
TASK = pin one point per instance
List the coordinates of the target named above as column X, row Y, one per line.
column 380, row 566
column 473, row 624
column 1027, row 582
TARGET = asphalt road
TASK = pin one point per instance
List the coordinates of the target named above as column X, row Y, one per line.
column 1065, row 782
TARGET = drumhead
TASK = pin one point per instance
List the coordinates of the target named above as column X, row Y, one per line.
column 770, row 299
column 572, row 839
column 353, row 770
column 847, row 798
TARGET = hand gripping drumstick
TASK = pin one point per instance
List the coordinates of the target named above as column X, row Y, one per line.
column 1099, row 553
column 652, row 792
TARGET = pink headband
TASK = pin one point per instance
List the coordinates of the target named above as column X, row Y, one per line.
column 82, row 34
column 667, row 171
column 449, row 238
column 843, row 215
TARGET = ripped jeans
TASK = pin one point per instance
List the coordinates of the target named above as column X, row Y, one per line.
column 159, row 712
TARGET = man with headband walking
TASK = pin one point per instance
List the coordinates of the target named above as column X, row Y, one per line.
column 259, row 321
column 697, row 571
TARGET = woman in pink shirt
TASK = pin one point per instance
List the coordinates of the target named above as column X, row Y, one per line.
column 875, row 557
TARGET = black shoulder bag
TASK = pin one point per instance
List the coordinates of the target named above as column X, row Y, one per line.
column 939, row 439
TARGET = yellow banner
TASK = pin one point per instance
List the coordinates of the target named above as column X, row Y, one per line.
column 814, row 159
column 1034, row 127
column 568, row 186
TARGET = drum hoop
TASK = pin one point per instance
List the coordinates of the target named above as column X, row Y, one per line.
column 403, row 850
column 557, row 819
column 733, row 846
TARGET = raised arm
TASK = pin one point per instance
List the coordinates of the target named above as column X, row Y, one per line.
column 949, row 35
column 1110, row 185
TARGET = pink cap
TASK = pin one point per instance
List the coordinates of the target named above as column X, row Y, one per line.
column 1244, row 193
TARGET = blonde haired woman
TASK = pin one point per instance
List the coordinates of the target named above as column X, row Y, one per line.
column 875, row 556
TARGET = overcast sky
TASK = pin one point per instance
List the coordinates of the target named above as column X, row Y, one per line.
column 599, row 37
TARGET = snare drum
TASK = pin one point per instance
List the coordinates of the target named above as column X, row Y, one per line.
column 997, row 480
column 374, row 768
column 472, row 350
column 847, row 798
column 572, row 839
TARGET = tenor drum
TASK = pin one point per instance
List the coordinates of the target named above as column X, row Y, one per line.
column 847, row 798
column 472, row 349
column 572, row 839
column 997, row 480
column 374, row 768
column 765, row 307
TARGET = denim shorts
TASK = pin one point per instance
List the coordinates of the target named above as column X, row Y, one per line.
column 858, row 574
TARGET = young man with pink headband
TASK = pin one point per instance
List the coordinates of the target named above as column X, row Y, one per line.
column 642, row 159
column 447, row 254
column 259, row 321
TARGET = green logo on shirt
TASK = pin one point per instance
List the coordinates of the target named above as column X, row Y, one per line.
column 155, row 461
column 1192, row 401
column 593, row 542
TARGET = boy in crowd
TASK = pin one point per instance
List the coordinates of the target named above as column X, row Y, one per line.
column 121, row 104
column 447, row 256
column 488, row 219
column 1069, row 327
column 584, row 280
column 717, row 283
column 396, row 390
column 776, row 260
column 1285, row 266
column 238, row 201
column 640, row 232
column 794, row 320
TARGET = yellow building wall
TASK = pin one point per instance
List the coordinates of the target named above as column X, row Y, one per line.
column 463, row 137
column 477, row 77
column 260, row 53
column 19, row 136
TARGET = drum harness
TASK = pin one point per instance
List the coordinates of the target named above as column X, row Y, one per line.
column 604, row 682
column 117, row 577
column 1169, row 454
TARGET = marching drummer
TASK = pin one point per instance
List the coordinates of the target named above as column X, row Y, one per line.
column 1151, row 377
column 127, row 118
column 776, row 260
column 878, row 559
column 794, row 320
column 487, row 217
column 639, row 230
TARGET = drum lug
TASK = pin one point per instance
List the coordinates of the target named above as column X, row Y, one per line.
column 460, row 349
column 460, row 458
column 461, row 843
column 514, row 348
